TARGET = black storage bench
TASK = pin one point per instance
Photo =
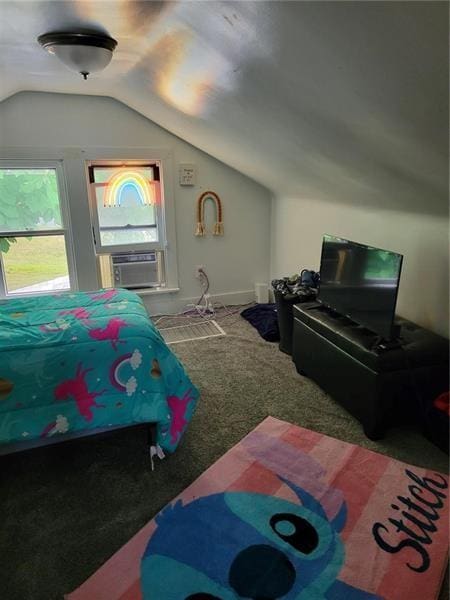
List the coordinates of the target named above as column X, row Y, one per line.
column 379, row 384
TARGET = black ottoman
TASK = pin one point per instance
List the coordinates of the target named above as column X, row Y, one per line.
column 379, row 385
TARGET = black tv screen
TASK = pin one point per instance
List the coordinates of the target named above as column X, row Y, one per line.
column 360, row 282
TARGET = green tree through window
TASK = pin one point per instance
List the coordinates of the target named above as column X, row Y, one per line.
column 29, row 201
column 33, row 256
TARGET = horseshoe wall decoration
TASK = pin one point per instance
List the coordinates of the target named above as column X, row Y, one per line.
column 218, row 225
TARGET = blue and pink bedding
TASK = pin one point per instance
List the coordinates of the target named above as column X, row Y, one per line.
column 80, row 361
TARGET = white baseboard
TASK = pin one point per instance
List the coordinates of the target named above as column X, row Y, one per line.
column 169, row 305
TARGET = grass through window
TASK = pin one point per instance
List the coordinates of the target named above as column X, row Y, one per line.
column 36, row 260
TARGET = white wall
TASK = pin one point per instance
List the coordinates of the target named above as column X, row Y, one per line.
column 234, row 263
column 298, row 226
column 391, row 217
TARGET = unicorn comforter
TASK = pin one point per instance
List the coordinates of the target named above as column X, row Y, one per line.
column 78, row 361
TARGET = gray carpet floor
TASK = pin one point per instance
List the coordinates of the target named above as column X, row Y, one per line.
column 66, row 509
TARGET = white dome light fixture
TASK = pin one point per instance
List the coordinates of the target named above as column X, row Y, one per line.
column 84, row 53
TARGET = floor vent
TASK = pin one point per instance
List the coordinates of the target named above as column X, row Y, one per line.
column 189, row 333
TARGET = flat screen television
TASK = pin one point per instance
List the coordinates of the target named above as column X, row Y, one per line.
column 360, row 282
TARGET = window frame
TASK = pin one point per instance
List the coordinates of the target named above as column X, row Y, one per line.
column 168, row 240
column 65, row 230
column 100, row 248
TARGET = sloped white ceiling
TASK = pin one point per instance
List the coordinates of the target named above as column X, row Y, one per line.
column 344, row 100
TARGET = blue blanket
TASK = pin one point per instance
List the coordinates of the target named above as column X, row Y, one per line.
column 78, row 361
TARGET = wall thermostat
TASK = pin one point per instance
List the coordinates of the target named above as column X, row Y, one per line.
column 188, row 174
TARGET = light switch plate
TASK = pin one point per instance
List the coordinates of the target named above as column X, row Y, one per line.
column 188, row 173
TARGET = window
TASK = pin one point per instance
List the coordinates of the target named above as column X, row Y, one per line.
column 34, row 240
column 127, row 203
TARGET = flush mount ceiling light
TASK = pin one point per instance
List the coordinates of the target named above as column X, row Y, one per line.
column 81, row 52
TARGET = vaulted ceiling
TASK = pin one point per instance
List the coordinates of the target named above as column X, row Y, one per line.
column 333, row 99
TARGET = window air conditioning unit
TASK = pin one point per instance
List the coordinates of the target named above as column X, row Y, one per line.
column 136, row 270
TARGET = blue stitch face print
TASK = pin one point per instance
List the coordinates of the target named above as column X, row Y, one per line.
column 247, row 545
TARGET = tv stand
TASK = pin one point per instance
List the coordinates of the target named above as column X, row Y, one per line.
column 381, row 383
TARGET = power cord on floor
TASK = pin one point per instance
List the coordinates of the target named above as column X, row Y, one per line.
column 221, row 311
column 204, row 308
column 203, row 305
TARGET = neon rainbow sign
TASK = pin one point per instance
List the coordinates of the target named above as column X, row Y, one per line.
column 145, row 189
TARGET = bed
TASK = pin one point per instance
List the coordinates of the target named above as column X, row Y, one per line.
column 73, row 364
